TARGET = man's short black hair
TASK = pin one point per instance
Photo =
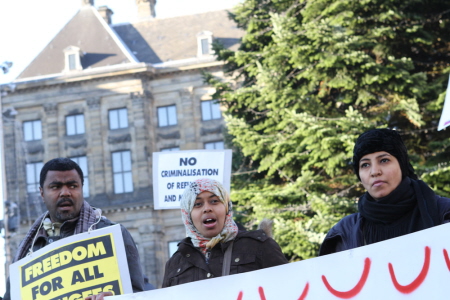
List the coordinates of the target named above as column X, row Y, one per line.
column 60, row 164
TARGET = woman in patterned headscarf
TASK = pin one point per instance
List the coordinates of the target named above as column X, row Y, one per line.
column 396, row 202
column 207, row 215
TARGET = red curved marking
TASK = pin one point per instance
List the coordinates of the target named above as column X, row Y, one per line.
column 261, row 293
column 358, row 287
column 447, row 260
column 305, row 292
column 409, row 288
column 240, row 295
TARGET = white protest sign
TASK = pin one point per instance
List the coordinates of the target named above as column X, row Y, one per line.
column 444, row 121
column 74, row 268
column 173, row 171
column 414, row 266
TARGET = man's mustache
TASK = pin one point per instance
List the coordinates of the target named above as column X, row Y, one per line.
column 63, row 201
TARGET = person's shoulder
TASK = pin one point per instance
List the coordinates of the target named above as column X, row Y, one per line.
column 350, row 219
column 345, row 224
column 105, row 222
column 184, row 246
column 257, row 235
column 339, row 234
column 186, row 242
column 442, row 202
column 444, row 208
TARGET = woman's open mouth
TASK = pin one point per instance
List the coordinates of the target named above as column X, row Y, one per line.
column 209, row 222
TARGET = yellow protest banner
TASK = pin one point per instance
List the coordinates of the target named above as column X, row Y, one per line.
column 74, row 268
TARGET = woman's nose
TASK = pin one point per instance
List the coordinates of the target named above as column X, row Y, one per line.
column 375, row 171
column 207, row 208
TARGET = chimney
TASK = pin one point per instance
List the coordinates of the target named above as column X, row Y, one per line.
column 87, row 2
column 106, row 14
column 146, row 9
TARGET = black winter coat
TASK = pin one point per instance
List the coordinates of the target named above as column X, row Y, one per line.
column 252, row 250
column 348, row 232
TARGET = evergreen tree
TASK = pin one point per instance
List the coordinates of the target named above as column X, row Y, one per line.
column 313, row 75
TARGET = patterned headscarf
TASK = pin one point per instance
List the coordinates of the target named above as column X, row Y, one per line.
column 230, row 228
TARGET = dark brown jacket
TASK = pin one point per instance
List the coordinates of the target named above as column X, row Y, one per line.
column 252, row 250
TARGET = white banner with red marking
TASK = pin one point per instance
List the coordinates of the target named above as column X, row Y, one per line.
column 414, row 266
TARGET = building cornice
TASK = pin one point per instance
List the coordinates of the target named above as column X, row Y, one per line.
column 105, row 73
column 84, row 75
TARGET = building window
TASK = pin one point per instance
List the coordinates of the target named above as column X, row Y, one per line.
column 118, row 118
column 204, row 42
column 170, row 149
column 219, row 145
column 32, row 130
column 72, row 62
column 210, row 110
column 75, row 124
column 82, row 162
column 72, row 59
column 123, row 181
column 173, row 247
column 205, row 46
column 33, row 171
column 167, row 116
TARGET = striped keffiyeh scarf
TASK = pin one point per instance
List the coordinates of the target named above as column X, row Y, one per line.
column 88, row 216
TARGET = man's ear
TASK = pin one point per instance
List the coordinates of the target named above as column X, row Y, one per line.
column 41, row 190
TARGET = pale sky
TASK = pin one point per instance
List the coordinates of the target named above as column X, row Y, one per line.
column 27, row 26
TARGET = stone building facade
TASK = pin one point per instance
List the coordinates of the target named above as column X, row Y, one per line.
column 108, row 96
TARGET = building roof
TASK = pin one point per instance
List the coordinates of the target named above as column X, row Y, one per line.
column 152, row 41
column 88, row 31
column 161, row 40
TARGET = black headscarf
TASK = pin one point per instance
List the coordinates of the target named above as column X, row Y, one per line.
column 410, row 207
column 376, row 140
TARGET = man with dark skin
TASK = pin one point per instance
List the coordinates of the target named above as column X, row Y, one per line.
column 61, row 188
column 62, row 194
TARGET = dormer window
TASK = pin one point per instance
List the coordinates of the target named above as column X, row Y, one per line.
column 72, row 57
column 204, row 42
column 72, row 62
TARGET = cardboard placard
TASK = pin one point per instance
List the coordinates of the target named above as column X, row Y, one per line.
column 73, row 268
column 173, row 171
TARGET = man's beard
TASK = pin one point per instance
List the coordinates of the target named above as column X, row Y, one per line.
column 61, row 217
column 64, row 216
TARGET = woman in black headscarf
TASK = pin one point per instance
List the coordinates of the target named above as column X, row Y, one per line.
column 396, row 202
